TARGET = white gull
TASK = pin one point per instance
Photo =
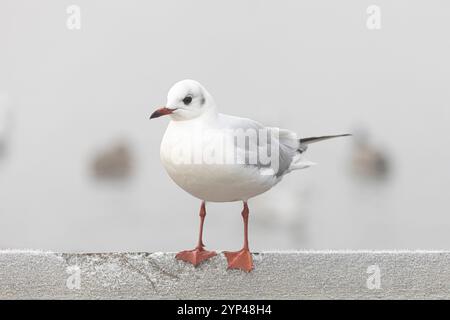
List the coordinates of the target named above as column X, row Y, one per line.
column 222, row 158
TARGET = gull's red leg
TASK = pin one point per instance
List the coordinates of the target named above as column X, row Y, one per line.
column 197, row 255
column 241, row 259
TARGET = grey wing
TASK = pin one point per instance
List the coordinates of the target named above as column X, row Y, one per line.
column 273, row 148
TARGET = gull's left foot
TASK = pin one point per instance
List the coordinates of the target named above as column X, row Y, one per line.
column 241, row 259
column 195, row 256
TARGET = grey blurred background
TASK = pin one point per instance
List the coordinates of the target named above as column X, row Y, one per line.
column 79, row 159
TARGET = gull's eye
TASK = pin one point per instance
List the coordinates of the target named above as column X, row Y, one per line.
column 187, row 100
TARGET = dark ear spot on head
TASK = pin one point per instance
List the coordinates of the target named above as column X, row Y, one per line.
column 203, row 100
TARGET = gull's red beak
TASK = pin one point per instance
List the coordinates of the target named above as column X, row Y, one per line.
column 161, row 112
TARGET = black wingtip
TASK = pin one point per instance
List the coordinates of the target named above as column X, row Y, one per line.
column 317, row 139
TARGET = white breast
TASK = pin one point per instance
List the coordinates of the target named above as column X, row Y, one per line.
column 186, row 162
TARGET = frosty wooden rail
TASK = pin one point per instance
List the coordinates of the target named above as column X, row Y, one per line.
column 277, row 275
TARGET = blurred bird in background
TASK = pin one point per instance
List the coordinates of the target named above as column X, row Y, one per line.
column 290, row 219
column 114, row 163
column 368, row 160
column 5, row 122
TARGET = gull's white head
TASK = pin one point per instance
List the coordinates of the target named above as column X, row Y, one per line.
column 186, row 100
